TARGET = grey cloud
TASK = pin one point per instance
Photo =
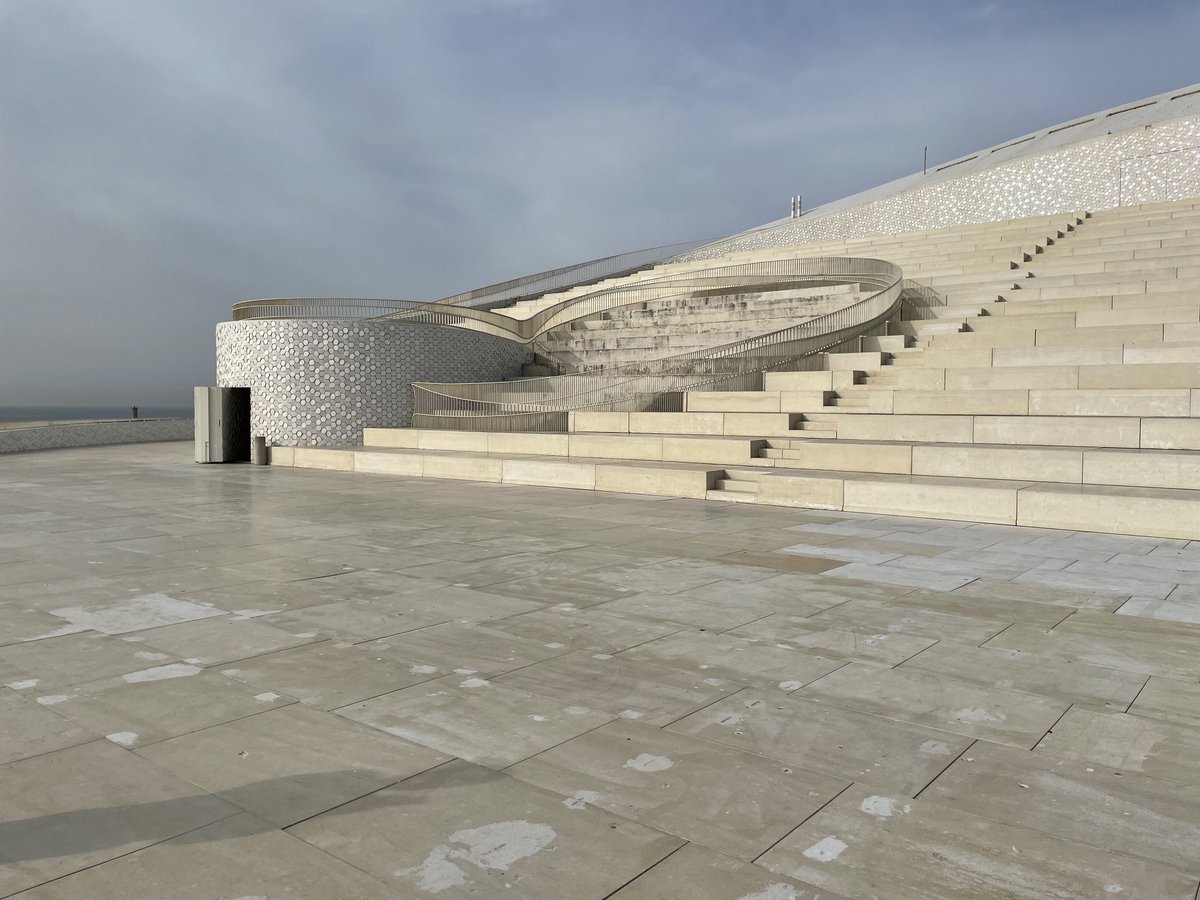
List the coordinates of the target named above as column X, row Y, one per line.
column 160, row 161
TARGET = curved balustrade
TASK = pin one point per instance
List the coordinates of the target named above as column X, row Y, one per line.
column 493, row 295
column 544, row 404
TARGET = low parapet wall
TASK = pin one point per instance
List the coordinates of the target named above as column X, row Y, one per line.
column 94, row 434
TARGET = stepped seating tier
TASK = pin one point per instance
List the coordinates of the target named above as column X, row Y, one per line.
column 1059, row 388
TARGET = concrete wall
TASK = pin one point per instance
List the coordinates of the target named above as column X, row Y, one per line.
column 94, row 434
column 319, row 383
column 1143, row 165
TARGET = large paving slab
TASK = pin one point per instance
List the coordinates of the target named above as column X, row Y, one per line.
column 464, row 649
column 732, row 801
column 239, row 857
column 164, row 703
column 816, row 636
column 486, row 722
column 1047, row 676
column 1132, row 743
column 329, row 674
column 464, row 831
column 826, row 738
column 923, row 698
column 31, row 729
column 867, row 844
column 696, row 871
column 66, row 810
column 269, row 651
column 745, row 661
column 584, row 629
column 71, row 659
column 291, row 763
column 623, row 687
column 1104, row 807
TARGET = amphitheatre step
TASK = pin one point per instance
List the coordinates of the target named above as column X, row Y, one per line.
column 1079, row 507
column 623, row 476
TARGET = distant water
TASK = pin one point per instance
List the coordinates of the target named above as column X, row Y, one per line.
column 40, row 413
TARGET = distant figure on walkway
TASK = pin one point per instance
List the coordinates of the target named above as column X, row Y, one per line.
column 133, row 412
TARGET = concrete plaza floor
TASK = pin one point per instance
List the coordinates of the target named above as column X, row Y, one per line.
column 237, row 682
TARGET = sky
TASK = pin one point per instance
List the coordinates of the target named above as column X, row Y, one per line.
column 162, row 159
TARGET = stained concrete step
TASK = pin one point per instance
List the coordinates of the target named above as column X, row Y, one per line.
column 622, row 476
column 1125, row 510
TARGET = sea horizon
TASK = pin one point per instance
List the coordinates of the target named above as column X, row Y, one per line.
column 34, row 413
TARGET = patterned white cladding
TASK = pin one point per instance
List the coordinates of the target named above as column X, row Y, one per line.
column 1145, row 165
column 315, row 383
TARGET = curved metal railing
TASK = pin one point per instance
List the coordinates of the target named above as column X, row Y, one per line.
column 319, row 308
column 493, row 295
column 545, row 404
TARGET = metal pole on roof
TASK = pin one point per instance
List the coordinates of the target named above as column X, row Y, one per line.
column 925, row 162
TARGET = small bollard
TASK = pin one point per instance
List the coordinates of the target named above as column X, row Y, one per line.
column 258, row 451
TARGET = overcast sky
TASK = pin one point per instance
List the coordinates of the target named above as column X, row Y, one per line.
column 161, row 159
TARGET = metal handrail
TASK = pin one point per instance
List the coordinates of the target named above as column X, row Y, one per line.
column 778, row 273
column 528, row 286
column 501, row 293
column 544, row 404
column 319, row 308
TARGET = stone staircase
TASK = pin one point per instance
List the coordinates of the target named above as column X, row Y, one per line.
column 1059, row 388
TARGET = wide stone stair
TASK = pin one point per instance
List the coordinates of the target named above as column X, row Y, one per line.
column 1060, row 387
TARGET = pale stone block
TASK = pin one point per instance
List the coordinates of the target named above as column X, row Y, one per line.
column 406, row 438
column 846, row 378
column 663, row 481
column 468, row 468
column 725, row 450
column 677, row 423
column 915, row 379
column 1111, row 510
column 464, row 441
column 1057, row 431
column 550, row 472
column 1135, row 315
column 887, row 343
column 971, row 402
column 1166, row 375
column 536, row 443
column 281, row 456
column 757, row 423
column 1182, row 332
column 954, row 359
column 997, row 325
column 323, row 458
column 1185, row 298
column 797, row 381
column 1171, row 434
column 732, row 401
column 970, row 340
column 803, row 401
column 1014, row 463
column 616, row 446
column 804, row 491
column 981, row 501
column 1099, row 337
column 1015, row 307
column 1058, row 356
column 1012, row 377
column 1111, row 402
column 937, row 429
column 599, row 421
column 847, row 456
column 864, row 362
column 1163, row 354
column 381, row 462
column 1178, row 469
